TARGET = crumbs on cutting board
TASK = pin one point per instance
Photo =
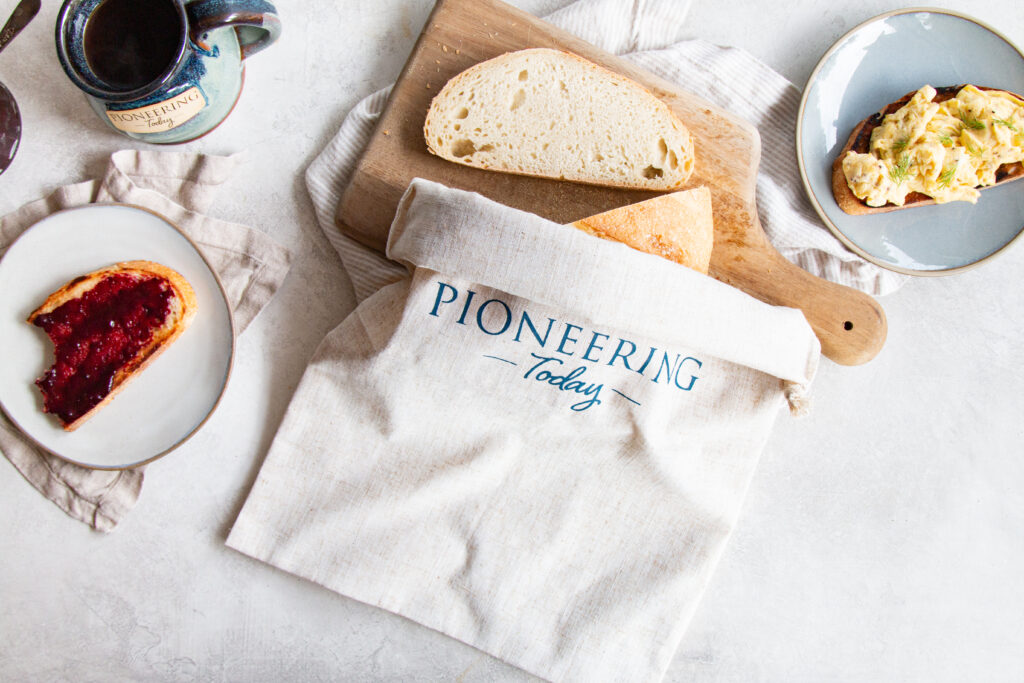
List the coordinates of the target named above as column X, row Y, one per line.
column 444, row 48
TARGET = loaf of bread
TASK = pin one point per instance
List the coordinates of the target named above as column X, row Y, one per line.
column 106, row 327
column 933, row 145
column 676, row 226
column 548, row 113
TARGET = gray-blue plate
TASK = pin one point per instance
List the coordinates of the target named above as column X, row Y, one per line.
column 875, row 64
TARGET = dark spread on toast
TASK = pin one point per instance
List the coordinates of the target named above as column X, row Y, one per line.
column 96, row 335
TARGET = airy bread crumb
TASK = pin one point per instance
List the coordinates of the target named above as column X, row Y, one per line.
column 548, row 113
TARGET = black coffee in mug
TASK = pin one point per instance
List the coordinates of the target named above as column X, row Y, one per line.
column 130, row 43
column 162, row 71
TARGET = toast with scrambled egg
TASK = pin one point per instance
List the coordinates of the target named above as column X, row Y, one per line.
column 934, row 145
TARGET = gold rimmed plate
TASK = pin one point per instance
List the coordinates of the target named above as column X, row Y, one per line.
column 877, row 63
column 165, row 404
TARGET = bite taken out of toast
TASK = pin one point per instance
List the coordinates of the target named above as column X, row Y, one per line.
column 933, row 145
column 107, row 326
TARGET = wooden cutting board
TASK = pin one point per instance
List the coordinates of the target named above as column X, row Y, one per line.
column 460, row 33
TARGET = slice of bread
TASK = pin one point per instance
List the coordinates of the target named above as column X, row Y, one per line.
column 675, row 226
column 860, row 142
column 102, row 343
column 548, row 113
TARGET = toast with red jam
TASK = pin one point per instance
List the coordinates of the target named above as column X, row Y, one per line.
column 106, row 327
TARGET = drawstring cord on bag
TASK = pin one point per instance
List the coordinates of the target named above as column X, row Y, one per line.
column 796, row 396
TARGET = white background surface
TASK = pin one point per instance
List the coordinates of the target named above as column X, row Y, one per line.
column 881, row 539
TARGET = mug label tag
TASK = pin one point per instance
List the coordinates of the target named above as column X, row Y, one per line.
column 161, row 116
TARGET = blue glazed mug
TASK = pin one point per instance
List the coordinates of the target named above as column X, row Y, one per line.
column 162, row 71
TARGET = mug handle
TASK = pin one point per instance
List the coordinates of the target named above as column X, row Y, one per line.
column 255, row 21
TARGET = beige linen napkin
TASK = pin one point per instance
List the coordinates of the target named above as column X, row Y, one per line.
column 251, row 266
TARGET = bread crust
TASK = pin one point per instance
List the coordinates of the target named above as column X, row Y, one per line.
column 435, row 124
column 184, row 306
column 676, row 226
column 860, row 142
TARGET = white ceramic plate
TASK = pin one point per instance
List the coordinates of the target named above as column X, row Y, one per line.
column 171, row 398
column 875, row 64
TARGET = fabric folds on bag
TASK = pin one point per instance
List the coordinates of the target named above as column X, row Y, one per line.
column 537, row 443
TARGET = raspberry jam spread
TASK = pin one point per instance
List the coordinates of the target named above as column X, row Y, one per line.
column 97, row 334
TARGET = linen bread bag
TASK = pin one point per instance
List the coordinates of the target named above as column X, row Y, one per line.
column 537, row 443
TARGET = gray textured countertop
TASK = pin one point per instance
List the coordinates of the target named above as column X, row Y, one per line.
column 881, row 538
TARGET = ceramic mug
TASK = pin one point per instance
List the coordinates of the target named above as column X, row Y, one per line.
column 162, row 71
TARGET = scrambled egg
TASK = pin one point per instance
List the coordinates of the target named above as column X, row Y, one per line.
column 944, row 150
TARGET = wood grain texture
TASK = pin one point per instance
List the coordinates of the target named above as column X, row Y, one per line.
column 460, row 33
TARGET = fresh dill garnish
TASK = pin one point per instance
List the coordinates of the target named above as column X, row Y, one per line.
column 900, row 144
column 974, row 150
column 901, row 170
column 947, row 175
column 1007, row 123
column 946, row 140
column 972, row 123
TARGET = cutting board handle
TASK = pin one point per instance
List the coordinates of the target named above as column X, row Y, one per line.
column 460, row 33
column 850, row 324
